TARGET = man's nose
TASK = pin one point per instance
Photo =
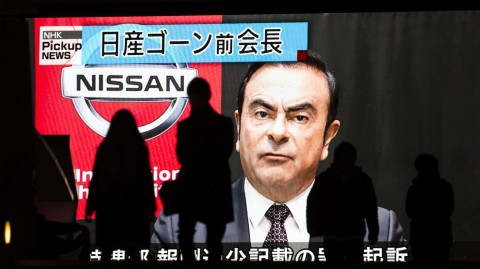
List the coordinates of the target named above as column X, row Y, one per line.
column 278, row 130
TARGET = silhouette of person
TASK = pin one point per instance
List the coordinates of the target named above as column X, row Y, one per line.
column 429, row 205
column 205, row 142
column 341, row 200
column 121, row 190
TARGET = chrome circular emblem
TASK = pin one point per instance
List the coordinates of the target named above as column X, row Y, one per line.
column 146, row 83
column 130, row 82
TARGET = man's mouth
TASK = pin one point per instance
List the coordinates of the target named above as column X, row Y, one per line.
column 272, row 156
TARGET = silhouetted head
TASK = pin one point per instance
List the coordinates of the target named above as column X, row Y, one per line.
column 123, row 128
column 345, row 155
column 199, row 94
column 427, row 165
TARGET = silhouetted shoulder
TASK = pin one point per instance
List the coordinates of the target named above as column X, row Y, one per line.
column 325, row 175
column 184, row 122
column 445, row 183
column 227, row 121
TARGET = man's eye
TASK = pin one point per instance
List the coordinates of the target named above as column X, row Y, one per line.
column 301, row 118
column 261, row 114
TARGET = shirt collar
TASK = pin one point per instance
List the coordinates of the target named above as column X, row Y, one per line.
column 257, row 205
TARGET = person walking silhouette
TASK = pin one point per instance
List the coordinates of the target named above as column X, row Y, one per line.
column 205, row 142
column 121, row 190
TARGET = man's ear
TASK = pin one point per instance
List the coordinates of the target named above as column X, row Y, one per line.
column 329, row 135
column 237, row 123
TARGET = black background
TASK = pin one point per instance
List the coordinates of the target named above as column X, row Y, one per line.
column 408, row 76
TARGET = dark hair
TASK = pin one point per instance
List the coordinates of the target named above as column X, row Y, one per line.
column 312, row 61
column 345, row 151
column 426, row 164
column 199, row 87
column 123, row 129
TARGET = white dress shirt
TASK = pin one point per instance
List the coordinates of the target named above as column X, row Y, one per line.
column 295, row 224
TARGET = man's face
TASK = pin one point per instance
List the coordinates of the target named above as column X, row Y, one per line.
column 282, row 128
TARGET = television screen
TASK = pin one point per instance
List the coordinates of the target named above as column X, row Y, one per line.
column 406, row 84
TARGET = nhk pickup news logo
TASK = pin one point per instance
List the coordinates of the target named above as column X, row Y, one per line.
column 60, row 45
column 117, row 83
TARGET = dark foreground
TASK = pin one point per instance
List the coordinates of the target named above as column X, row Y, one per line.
column 37, row 264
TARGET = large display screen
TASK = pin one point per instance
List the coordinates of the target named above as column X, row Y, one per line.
column 407, row 85
column 96, row 66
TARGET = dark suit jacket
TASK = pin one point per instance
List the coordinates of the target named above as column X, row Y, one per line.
column 166, row 227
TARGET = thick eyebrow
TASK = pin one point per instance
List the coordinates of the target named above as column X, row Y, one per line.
column 261, row 102
column 302, row 106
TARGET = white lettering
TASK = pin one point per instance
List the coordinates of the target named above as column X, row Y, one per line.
column 81, row 192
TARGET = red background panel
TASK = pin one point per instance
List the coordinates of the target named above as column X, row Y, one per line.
column 55, row 114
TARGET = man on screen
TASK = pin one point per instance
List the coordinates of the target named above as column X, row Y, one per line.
column 286, row 119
